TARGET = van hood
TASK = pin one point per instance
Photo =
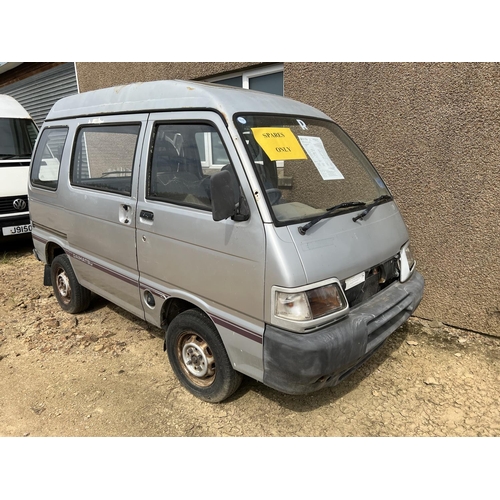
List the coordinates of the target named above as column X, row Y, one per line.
column 338, row 247
column 13, row 180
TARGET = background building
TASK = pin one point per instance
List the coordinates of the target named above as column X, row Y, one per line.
column 430, row 129
column 37, row 86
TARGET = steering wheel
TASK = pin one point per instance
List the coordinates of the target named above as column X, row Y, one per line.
column 274, row 195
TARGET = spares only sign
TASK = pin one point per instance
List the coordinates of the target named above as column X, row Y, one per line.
column 279, row 143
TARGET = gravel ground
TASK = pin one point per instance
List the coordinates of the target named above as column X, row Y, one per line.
column 104, row 373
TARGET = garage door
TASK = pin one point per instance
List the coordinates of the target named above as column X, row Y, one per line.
column 39, row 92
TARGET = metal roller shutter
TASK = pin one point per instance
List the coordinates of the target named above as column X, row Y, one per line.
column 39, row 92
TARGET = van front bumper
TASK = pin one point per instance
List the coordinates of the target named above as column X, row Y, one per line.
column 303, row 363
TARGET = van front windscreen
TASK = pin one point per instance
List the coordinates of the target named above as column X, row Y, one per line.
column 306, row 166
column 17, row 137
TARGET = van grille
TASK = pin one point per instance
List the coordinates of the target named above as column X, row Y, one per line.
column 388, row 272
column 7, row 205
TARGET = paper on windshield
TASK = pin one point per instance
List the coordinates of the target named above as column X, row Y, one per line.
column 317, row 152
column 279, row 143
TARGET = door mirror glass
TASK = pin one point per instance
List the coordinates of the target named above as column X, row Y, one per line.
column 221, row 188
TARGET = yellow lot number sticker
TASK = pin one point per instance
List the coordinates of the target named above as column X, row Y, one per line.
column 279, row 143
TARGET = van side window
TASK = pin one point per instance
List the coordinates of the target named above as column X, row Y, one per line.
column 47, row 159
column 178, row 168
column 104, row 158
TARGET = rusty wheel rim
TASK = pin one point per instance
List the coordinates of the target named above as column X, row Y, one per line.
column 63, row 286
column 196, row 359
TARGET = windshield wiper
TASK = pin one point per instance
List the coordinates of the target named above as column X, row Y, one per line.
column 374, row 203
column 330, row 212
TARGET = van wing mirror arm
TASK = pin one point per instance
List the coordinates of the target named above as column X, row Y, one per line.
column 242, row 212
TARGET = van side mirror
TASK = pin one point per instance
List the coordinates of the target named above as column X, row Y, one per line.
column 221, row 190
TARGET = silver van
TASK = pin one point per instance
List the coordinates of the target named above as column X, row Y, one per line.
column 248, row 226
column 18, row 134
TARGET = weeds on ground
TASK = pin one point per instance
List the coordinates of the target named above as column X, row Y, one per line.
column 7, row 258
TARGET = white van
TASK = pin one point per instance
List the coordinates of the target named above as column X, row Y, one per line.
column 18, row 134
column 248, row 226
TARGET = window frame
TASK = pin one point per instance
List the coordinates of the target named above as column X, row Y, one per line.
column 76, row 148
column 248, row 74
column 40, row 146
column 207, row 134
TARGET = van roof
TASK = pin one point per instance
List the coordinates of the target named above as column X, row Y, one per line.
column 176, row 95
column 10, row 108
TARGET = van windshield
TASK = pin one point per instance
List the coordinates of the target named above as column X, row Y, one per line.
column 17, row 137
column 307, row 165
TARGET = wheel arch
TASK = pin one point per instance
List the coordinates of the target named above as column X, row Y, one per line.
column 52, row 250
column 174, row 306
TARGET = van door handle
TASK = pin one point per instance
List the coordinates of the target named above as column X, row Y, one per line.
column 125, row 214
column 146, row 214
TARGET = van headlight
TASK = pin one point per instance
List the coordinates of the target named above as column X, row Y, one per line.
column 409, row 256
column 306, row 308
column 406, row 262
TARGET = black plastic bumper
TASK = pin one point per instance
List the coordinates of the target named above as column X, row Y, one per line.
column 303, row 363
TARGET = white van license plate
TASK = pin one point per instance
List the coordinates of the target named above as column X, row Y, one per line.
column 11, row 230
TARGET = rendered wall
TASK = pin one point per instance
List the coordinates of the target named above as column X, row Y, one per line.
column 432, row 131
column 93, row 76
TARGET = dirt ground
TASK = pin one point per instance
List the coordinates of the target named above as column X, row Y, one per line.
column 104, row 373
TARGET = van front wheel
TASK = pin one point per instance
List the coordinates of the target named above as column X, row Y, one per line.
column 72, row 296
column 199, row 359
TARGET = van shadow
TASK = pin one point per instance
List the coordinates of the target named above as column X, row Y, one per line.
column 297, row 403
column 16, row 246
column 98, row 303
column 324, row 397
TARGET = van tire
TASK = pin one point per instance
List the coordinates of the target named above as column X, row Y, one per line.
column 72, row 297
column 192, row 336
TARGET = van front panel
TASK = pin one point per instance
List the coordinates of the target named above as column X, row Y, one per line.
column 337, row 279
column 340, row 247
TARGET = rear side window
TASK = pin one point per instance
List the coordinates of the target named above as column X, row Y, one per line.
column 103, row 158
column 47, row 159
